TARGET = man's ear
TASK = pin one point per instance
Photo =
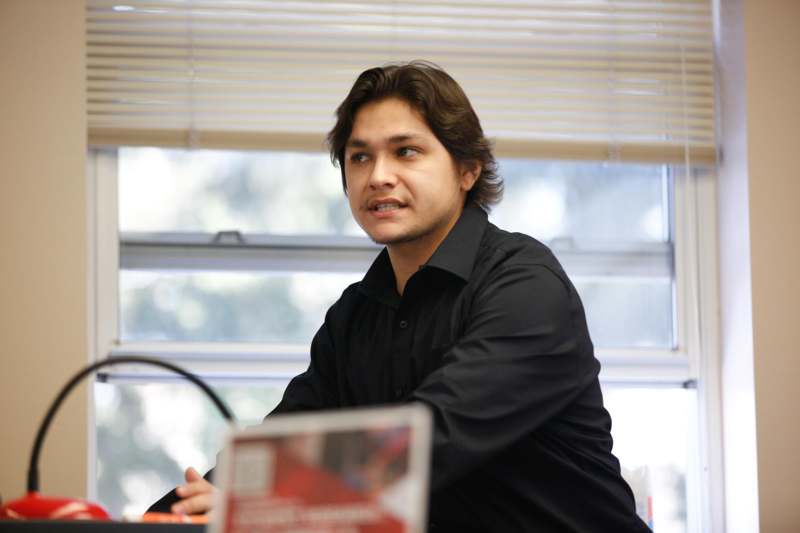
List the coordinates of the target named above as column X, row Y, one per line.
column 470, row 172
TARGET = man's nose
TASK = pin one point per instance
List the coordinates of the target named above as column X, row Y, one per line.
column 383, row 173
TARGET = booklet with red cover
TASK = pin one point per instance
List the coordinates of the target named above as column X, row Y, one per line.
column 355, row 471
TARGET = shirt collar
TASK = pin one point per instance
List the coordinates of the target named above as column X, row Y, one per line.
column 379, row 282
column 456, row 254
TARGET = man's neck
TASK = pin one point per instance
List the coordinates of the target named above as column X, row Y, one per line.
column 405, row 261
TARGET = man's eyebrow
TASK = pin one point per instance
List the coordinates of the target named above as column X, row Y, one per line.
column 394, row 139
column 403, row 137
column 356, row 143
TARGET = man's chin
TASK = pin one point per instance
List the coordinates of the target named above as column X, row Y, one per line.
column 393, row 239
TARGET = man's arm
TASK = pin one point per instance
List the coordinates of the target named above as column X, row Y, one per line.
column 314, row 389
column 524, row 357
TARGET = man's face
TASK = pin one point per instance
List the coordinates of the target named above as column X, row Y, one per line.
column 402, row 183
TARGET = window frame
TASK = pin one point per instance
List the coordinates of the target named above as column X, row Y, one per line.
column 692, row 363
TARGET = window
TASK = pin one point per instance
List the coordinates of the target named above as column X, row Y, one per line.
column 227, row 271
column 207, row 258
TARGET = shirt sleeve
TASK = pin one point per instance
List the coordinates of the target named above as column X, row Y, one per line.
column 316, row 388
column 520, row 361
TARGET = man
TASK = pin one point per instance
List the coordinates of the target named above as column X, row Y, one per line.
column 481, row 325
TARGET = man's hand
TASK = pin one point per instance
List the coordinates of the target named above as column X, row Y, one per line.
column 197, row 495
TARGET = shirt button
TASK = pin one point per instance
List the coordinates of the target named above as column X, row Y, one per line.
column 398, row 392
column 403, row 324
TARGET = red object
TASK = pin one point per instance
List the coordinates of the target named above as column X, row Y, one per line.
column 298, row 487
column 36, row 507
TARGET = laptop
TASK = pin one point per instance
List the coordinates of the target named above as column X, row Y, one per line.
column 349, row 471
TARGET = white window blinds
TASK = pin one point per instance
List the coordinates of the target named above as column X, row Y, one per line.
column 592, row 79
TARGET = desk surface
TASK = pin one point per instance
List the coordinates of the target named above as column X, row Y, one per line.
column 81, row 526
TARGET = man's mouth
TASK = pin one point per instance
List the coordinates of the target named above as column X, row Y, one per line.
column 383, row 206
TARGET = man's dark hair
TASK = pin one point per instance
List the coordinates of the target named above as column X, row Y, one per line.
column 443, row 105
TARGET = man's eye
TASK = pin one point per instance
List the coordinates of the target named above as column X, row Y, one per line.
column 407, row 151
column 358, row 157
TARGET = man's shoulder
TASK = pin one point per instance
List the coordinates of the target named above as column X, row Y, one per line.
column 505, row 253
column 507, row 247
column 344, row 305
column 351, row 293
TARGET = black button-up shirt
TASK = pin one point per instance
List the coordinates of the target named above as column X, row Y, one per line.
column 491, row 335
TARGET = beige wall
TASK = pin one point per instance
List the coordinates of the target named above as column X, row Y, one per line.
column 43, row 271
column 772, row 60
column 759, row 192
